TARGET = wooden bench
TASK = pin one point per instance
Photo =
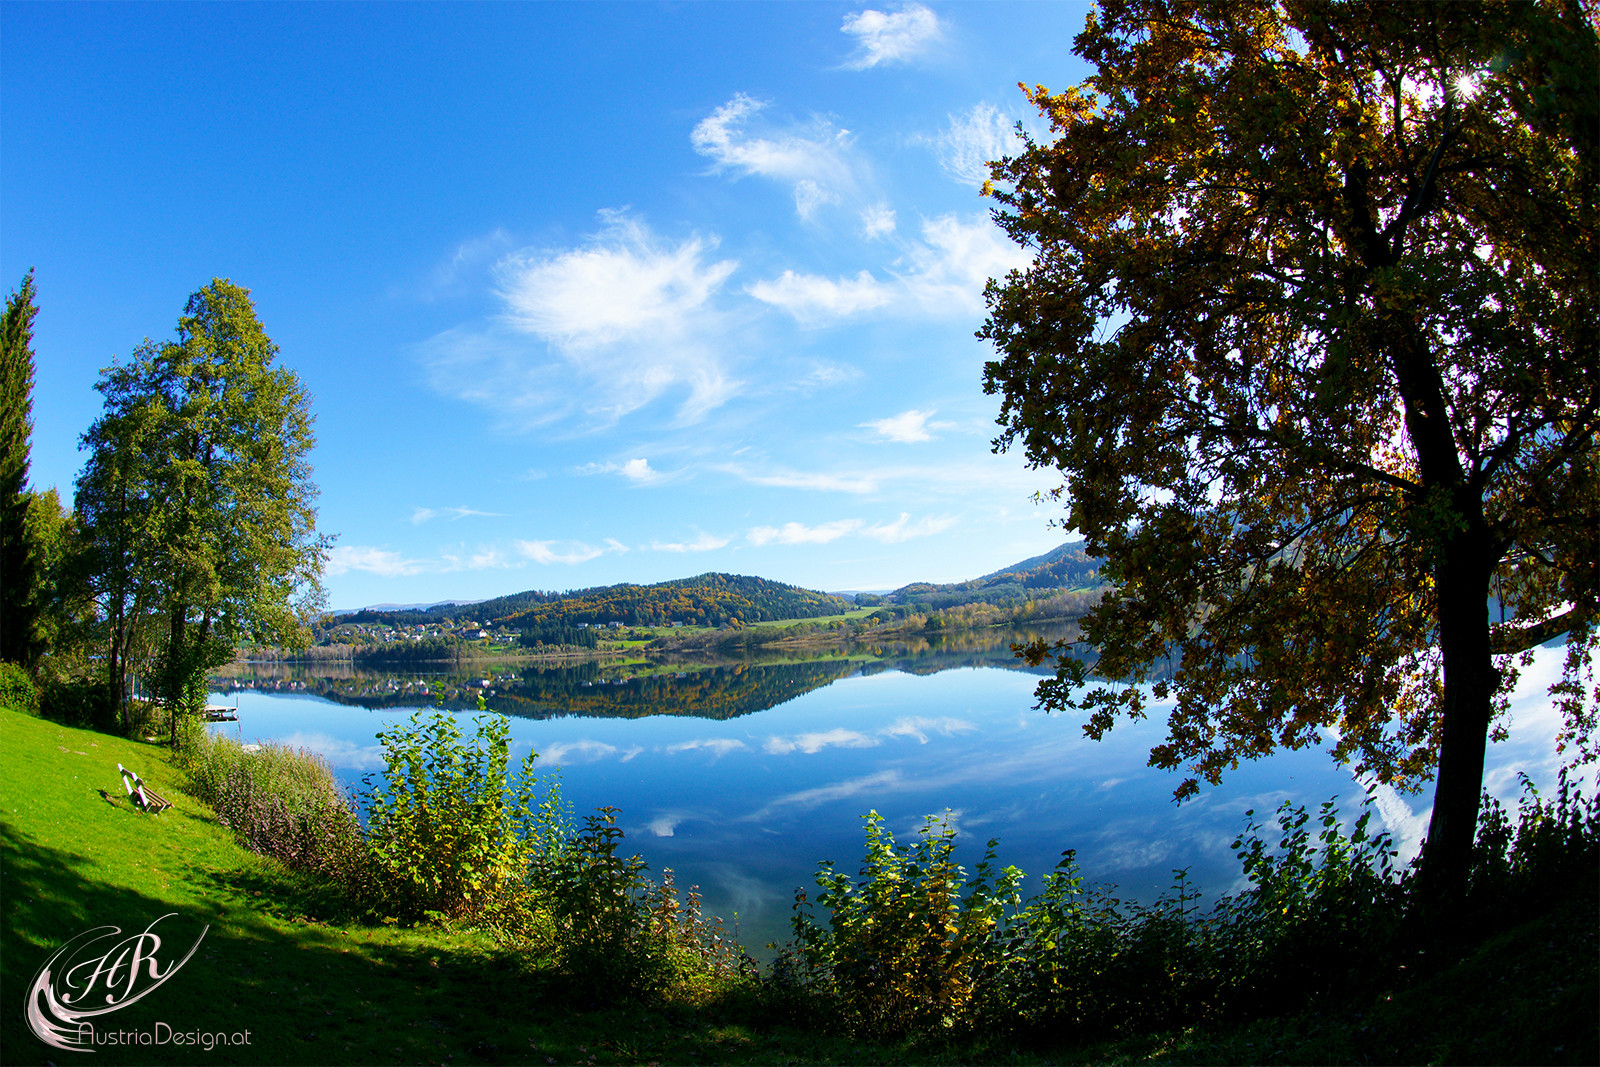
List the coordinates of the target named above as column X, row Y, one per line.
column 142, row 795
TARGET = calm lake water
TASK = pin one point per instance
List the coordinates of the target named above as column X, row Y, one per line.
column 741, row 779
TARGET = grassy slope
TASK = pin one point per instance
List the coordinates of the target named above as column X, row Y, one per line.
column 75, row 854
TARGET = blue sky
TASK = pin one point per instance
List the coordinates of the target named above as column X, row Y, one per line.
column 583, row 293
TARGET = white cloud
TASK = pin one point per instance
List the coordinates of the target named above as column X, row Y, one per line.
column 957, row 258
column 983, row 134
column 812, row 743
column 572, row 552
column 903, row 529
column 810, row 157
column 890, row 37
column 380, row 561
column 880, row 782
column 598, row 330
column 635, row 470
column 942, row 274
column 843, row 483
column 665, row 825
column 794, row 533
column 625, row 284
column 877, row 221
column 421, row 515
column 704, row 543
column 907, row 427
column 808, row 297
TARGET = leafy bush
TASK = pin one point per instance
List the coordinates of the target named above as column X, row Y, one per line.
column 912, row 945
column 908, row 943
column 77, row 701
column 16, row 689
column 446, row 828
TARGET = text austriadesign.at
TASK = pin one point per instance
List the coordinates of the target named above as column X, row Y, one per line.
column 99, row 972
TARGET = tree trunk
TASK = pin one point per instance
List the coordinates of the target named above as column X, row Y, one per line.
column 1470, row 684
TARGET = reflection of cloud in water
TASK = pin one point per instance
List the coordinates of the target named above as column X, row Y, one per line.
column 719, row 746
column 813, row 743
column 918, row 727
column 823, row 794
column 665, row 824
column 585, row 751
column 1404, row 825
column 342, row 754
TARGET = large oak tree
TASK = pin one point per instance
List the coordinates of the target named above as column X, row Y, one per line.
column 1310, row 334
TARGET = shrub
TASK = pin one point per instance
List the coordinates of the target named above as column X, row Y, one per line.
column 16, row 689
column 606, row 926
column 909, row 941
column 910, row 945
column 445, row 827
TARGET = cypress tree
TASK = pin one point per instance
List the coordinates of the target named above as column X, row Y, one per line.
column 19, row 564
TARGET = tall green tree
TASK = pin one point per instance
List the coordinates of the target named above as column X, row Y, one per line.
column 1310, row 334
column 198, row 504
column 19, row 565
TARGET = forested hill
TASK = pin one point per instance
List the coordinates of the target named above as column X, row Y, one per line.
column 706, row 600
column 1066, row 567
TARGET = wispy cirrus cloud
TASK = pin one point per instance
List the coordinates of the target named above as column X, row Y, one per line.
column 809, row 297
column 812, row 743
column 973, row 140
column 785, row 479
column 717, row 746
column 943, row 273
column 422, row 515
column 810, row 157
column 890, row 36
column 903, row 529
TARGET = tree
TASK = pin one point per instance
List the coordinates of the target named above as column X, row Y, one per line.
column 19, row 565
column 1310, row 335
column 197, row 500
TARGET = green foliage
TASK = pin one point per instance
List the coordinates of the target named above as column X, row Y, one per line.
column 21, row 599
column 197, row 502
column 16, row 689
column 443, row 827
column 909, row 941
column 1309, row 335
column 911, row 945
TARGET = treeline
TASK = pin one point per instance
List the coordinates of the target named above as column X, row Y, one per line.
column 427, row 650
column 541, row 635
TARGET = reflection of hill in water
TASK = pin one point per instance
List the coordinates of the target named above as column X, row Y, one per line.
column 616, row 691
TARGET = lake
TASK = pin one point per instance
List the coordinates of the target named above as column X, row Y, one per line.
column 742, row 777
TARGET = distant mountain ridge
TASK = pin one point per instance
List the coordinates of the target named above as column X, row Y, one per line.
column 718, row 599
